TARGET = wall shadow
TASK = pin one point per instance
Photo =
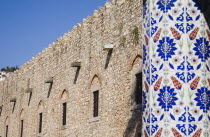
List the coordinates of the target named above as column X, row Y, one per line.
column 29, row 100
column 109, row 54
column 76, row 75
column 134, row 124
column 50, row 89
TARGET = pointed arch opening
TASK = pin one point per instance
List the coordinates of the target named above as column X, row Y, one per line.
column 64, row 108
column 95, row 98
column 40, row 117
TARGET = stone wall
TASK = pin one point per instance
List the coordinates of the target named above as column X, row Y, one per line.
column 117, row 23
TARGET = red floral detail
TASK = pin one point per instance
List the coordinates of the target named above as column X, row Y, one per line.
column 209, row 81
column 195, row 82
column 158, row 134
column 197, row 133
column 146, row 86
column 157, row 35
column 208, row 33
column 175, row 33
column 157, row 84
column 195, row 111
column 146, row 39
column 176, row 83
column 194, row 33
column 176, row 133
column 145, row 133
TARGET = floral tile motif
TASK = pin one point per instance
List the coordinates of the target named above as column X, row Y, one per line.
column 176, row 58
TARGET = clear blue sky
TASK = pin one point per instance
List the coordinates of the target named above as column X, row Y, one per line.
column 28, row 26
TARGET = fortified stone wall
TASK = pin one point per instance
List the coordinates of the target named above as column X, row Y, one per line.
column 111, row 72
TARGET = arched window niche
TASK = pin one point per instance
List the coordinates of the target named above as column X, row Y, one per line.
column 64, row 109
column 7, row 127
column 22, row 123
column 96, row 98
column 40, row 118
column 136, row 95
column 136, row 82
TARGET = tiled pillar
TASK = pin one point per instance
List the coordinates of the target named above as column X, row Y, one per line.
column 176, row 80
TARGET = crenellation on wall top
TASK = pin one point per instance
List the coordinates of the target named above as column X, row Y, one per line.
column 120, row 2
column 108, row 4
column 101, row 9
column 85, row 22
column 75, row 34
column 96, row 13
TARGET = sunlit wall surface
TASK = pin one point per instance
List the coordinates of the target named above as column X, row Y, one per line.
column 176, row 58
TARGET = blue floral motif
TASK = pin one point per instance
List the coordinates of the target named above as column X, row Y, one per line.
column 151, row 118
column 152, row 130
column 165, row 5
column 153, row 79
column 148, row 25
column 182, row 67
column 182, row 128
column 153, row 69
column 167, row 98
column 188, row 17
column 192, row 128
column 144, row 101
column 166, row 48
column 153, row 21
column 183, row 116
column 203, row 98
column 189, row 66
column 154, row 29
column 181, row 17
column 189, row 27
column 202, row 49
column 190, row 76
column 180, row 27
column 144, row 11
column 144, row 53
column 190, row 117
column 181, row 76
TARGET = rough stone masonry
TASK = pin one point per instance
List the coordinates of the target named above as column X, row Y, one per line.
column 70, row 70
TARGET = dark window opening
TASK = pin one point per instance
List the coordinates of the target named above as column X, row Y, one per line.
column 7, row 131
column 1, row 107
column 40, row 122
column 29, row 100
column 138, row 88
column 64, row 113
column 95, row 103
column 21, row 129
column 50, row 89
column 13, row 109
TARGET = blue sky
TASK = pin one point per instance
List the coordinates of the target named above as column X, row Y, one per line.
column 28, row 26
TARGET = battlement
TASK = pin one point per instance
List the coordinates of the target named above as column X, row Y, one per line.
column 75, row 32
column 71, row 69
